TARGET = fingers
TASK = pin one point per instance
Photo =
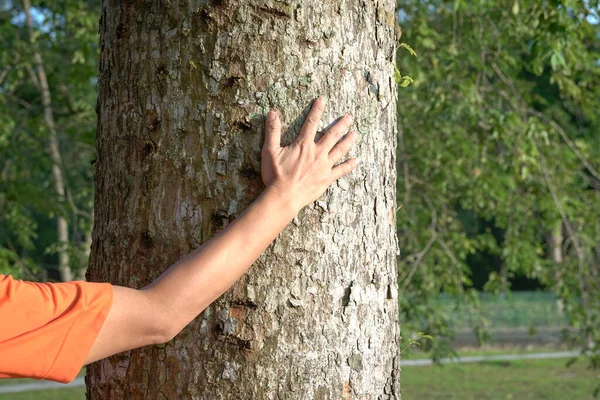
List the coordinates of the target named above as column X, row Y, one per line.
column 335, row 132
column 272, row 131
column 344, row 168
column 339, row 151
column 309, row 129
column 342, row 147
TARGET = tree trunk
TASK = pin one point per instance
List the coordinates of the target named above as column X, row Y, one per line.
column 183, row 89
column 555, row 243
column 555, row 247
column 62, row 227
column 86, row 248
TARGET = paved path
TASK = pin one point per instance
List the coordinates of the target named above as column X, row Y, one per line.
column 27, row 387
column 500, row 357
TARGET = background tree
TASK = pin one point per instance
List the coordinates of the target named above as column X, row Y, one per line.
column 40, row 80
column 44, row 139
column 499, row 149
column 183, row 90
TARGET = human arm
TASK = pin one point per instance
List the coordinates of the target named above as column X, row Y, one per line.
column 294, row 176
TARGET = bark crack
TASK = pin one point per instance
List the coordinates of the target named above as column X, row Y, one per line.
column 276, row 10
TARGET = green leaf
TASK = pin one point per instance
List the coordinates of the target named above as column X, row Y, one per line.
column 397, row 74
column 557, row 60
column 422, row 335
column 515, row 7
column 410, row 49
column 405, row 81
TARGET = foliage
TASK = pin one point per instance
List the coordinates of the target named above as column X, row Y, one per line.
column 413, row 343
column 498, row 148
column 65, row 33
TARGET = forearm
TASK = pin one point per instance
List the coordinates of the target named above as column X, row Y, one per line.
column 190, row 285
column 158, row 312
column 295, row 175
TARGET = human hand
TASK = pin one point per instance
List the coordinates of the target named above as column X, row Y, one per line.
column 303, row 170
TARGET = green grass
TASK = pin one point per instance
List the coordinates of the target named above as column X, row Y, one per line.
column 29, row 380
column 60, row 394
column 524, row 379
column 53, row 394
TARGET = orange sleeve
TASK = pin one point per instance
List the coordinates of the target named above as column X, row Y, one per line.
column 48, row 329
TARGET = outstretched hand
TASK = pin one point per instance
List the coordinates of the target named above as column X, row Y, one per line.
column 303, row 170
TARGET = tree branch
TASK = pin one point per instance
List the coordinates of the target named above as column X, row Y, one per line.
column 574, row 238
column 528, row 110
column 569, row 142
column 4, row 73
column 419, row 256
column 455, row 262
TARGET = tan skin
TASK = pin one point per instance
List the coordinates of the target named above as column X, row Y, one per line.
column 294, row 176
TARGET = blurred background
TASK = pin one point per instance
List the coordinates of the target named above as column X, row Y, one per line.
column 498, row 182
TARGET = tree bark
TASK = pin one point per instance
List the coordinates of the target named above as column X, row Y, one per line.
column 555, row 250
column 62, row 227
column 86, row 248
column 183, row 89
column 555, row 244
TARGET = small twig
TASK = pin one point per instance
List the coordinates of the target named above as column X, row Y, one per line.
column 34, row 77
column 417, row 262
column 3, row 74
column 20, row 101
column 455, row 262
column 421, row 254
column 72, row 110
column 76, row 210
column 570, row 143
column 556, row 126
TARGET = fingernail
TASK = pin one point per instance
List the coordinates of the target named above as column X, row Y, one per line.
column 272, row 115
column 323, row 99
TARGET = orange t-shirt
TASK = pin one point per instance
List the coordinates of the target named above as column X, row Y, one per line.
column 48, row 329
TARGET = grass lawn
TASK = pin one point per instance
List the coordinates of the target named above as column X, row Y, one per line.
column 514, row 380
column 524, row 379
column 53, row 394
column 60, row 394
column 28, row 380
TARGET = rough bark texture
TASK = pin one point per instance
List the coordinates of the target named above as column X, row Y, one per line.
column 184, row 87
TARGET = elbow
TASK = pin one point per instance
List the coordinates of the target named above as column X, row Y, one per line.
column 166, row 323
column 165, row 336
column 169, row 329
column 161, row 327
column 165, row 330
